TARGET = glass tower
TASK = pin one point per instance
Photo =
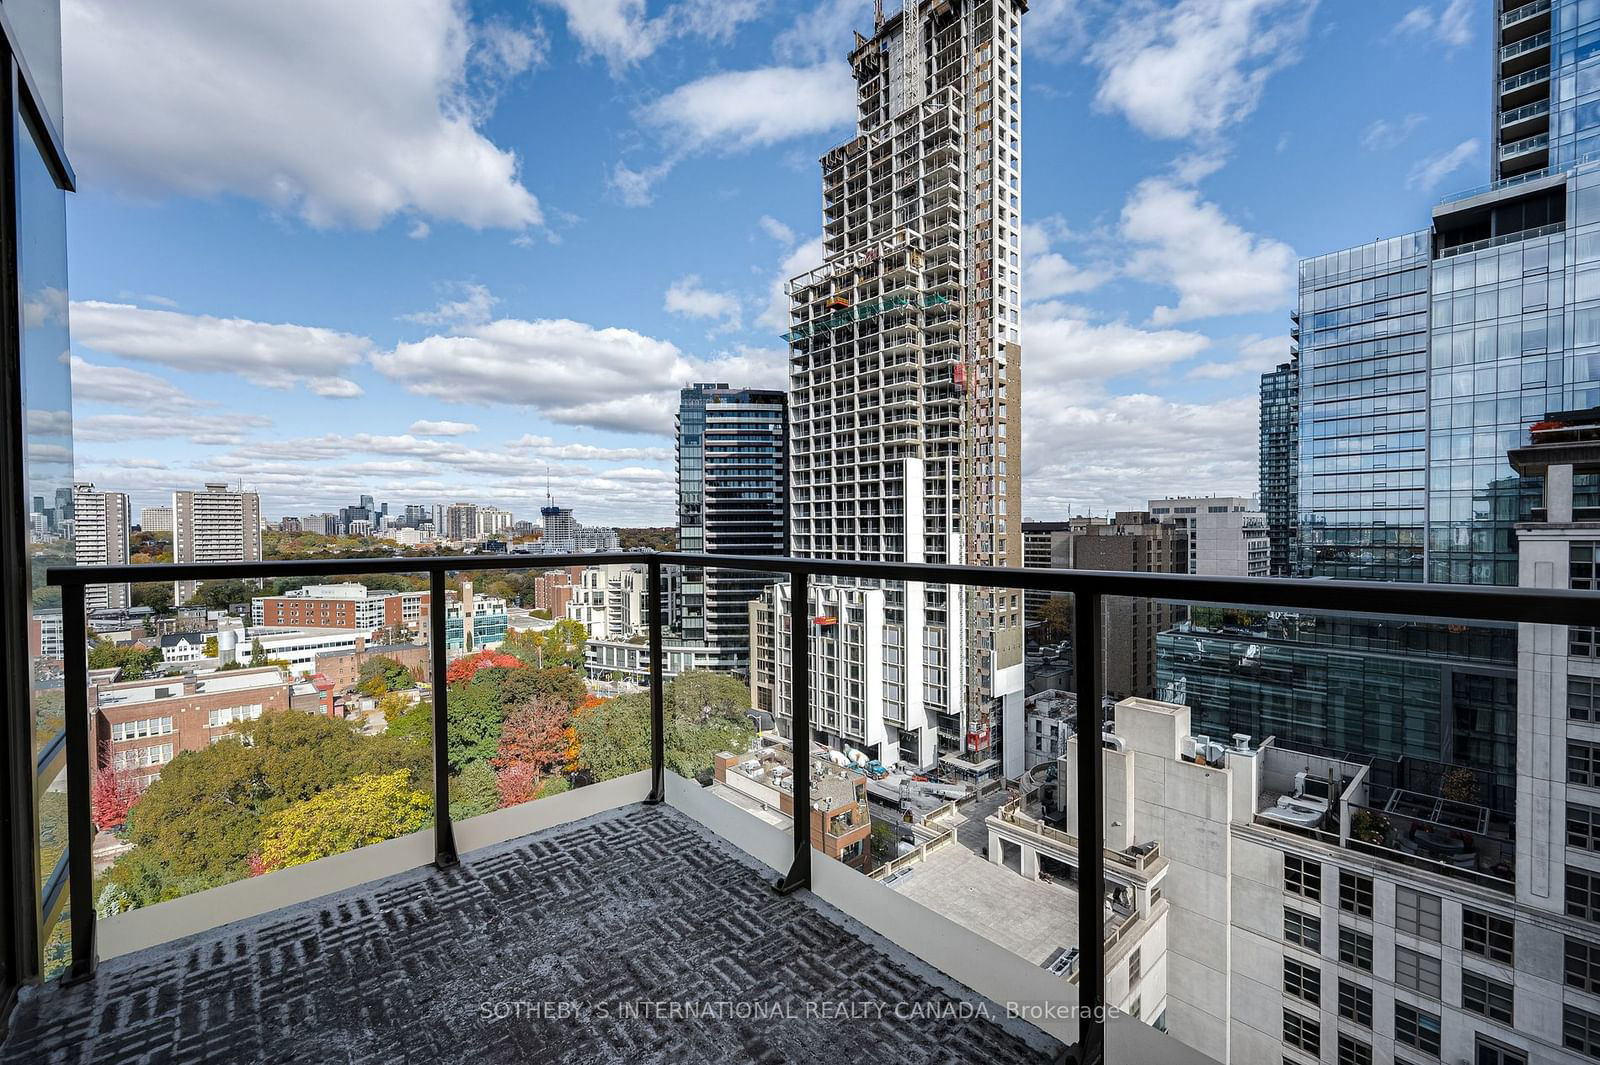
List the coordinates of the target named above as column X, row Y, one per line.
column 1280, row 436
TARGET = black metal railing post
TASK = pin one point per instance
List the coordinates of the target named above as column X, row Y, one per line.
column 80, row 779
column 1091, row 829
column 658, row 695
column 444, row 832
column 799, row 875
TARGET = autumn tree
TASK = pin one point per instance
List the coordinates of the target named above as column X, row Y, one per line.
column 562, row 644
column 705, row 713
column 112, row 793
column 381, row 674
column 464, row 669
column 367, row 809
column 517, row 783
column 1055, row 619
column 535, row 735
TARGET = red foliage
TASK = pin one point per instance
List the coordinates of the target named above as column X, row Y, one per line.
column 258, row 865
column 534, row 735
column 112, row 795
column 517, row 783
column 466, row 668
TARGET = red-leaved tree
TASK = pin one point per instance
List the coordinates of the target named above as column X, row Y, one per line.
column 517, row 783
column 466, row 668
column 112, row 794
column 535, row 735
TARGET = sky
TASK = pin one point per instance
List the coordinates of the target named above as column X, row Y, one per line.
column 433, row 250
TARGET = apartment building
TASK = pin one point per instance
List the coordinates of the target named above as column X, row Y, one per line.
column 611, row 602
column 342, row 669
column 142, row 725
column 762, row 780
column 732, row 471
column 216, row 525
column 461, row 522
column 341, row 606
column 155, row 519
column 905, row 419
column 1227, row 535
column 100, row 538
column 474, row 622
column 552, row 591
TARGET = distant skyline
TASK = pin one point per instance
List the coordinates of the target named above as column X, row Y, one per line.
column 432, row 249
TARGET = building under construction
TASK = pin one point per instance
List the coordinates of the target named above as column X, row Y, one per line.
column 905, row 419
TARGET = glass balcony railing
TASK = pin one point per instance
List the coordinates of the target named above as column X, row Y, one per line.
column 1526, row 78
column 1525, row 146
column 1524, row 113
column 1525, row 12
column 1526, row 45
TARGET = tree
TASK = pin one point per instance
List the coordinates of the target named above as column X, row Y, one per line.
column 652, row 539
column 157, row 595
column 517, row 783
column 131, row 661
column 535, row 735
column 1055, row 619
column 413, row 724
column 210, row 649
column 705, row 713
column 473, row 791
column 562, row 644
column 199, row 822
column 112, row 793
column 368, row 809
column 381, row 674
column 258, row 653
column 464, row 669
column 475, row 715
column 219, row 595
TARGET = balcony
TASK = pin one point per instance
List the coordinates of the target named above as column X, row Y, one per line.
column 548, row 930
column 1528, row 52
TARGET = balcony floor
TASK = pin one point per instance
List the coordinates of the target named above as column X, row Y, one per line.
column 640, row 905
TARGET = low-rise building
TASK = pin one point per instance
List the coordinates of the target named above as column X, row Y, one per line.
column 473, row 622
column 630, row 659
column 341, row 606
column 611, row 602
column 142, row 725
column 343, row 668
column 841, row 824
column 300, row 648
column 181, row 648
column 1049, row 719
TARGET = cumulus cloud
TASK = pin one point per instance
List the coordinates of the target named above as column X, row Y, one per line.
column 739, row 110
column 622, row 33
column 1257, row 355
column 122, row 386
column 343, row 114
column 1428, row 173
column 800, row 258
column 689, row 297
column 1193, row 68
column 776, row 230
column 1065, row 344
column 476, row 305
column 266, row 354
column 432, row 428
column 1189, row 244
column 1046, row 273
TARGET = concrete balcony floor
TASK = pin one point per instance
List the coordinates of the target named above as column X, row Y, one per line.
column 567, row 945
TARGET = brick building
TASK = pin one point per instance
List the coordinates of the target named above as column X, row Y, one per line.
column 341, row 606
column 343, row 669
column 553, row 591
column 143, row 724
column 841, row 824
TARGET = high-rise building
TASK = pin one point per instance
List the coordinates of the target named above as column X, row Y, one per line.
column 155, row 519
column 1279, row 456
column 732, row 499
column 415, row 514
column 492, row 521
column 1226, row 535
column 100, row 537
column 216, row 525
column 905, row 392
column 461, row 522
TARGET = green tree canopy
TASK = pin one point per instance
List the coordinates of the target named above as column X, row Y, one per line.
column 219, row 595
column 705, row 713
column 368, row 809
column 131, row 662
column 381, row 674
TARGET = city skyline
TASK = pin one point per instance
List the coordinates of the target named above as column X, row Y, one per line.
column 489, row 315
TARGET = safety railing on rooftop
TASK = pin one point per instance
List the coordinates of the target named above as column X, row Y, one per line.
column 73, row 880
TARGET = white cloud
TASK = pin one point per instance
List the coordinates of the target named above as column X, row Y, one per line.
column 430, row 428
column 343, row 113
column 1384, row 134
column 622, row 33
column 739, row 110
column 688, row 297
column 1216, row 266
column 1193, row 68
column 419, row 230
column 1452, row 25
column 1046, row 273
column 203, row 429
column 824, row 31
column 475, row 307
column 1258, row 354
column 1428, row 173
column 270, row 355
column 571, row 372
column 548, row 448
column 1065, row 345
column 799, row 259
column 776, row 230
column 335, row 387
column 1119, row 452
column 122, row 386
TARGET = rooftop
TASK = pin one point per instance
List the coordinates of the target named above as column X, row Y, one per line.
column 573, row 944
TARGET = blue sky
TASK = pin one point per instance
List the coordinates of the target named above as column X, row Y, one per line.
column 429, row 250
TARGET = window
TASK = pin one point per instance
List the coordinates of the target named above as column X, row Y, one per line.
column 1355, row 893
column 1580, row 1031
column 1355, row 948
column 1583, row 763
column 1302, row 981
column 1419, row 972
column 1304, row 929
column 1583, row 965
column 138, row 730
column 1583, row 826
column 1417, row 913
column 1416, row 1028
column 1487, row 936
column 1302, row 876
column 1354, row 1051
column 1355, row 1003
column 1583, row 699
column 1585, row 642
column 1583, row 894
column 1585, row 564
column 1135, row 968
column 1302, row 1032
column 1492, row 1053
column 1486, row 995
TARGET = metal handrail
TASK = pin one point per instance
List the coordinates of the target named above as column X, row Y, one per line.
column 1089, row 588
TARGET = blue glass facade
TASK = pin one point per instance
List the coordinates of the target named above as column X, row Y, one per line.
column 1363, row 410
column 1279, row 454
